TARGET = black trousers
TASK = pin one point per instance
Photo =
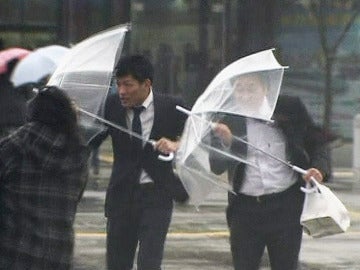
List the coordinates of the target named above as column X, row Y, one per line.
column 272, row 222
column 144, row 223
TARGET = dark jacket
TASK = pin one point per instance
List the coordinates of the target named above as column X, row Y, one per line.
column 12, row 107
column 169, row 123
column 41, row 182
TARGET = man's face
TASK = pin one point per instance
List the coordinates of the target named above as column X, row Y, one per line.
column 250, row 90
column 131, row 91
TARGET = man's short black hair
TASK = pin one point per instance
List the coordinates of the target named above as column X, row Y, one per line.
column 136, row 65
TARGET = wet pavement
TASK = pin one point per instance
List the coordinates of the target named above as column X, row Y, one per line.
column 199, row 239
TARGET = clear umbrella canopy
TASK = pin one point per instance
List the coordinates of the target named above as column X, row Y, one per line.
column 86, row 73
column 247, row 88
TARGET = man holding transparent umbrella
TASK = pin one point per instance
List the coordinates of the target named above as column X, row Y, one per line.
column 139, row 199
column 265, row 212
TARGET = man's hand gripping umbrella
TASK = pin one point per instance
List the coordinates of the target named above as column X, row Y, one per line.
column 155, row 144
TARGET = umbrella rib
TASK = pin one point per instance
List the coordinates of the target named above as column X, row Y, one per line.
column 263, row 151
column 293, row 167
column 82, row 84
column 211, row 180
column 210, row 147
column 228, row 155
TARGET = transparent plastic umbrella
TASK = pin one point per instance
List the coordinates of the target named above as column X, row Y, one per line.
column 86, row 72
column 247, row 88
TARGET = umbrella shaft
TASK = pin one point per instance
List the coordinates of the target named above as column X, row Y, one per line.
column 264, row 152
column 183, row 110
column 131, row 133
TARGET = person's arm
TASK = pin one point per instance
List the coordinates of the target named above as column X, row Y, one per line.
column 316, row 144
column 221, row 138
column 224, row 133
column 320, row 163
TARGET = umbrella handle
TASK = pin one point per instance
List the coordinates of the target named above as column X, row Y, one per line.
column 168, row 157
column 312, row 189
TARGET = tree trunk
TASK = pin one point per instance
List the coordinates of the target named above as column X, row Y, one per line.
column 204, row 14
column 257, row 23
column 328, row 94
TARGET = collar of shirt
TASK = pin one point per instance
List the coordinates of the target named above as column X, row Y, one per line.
column 145, row 116
column 149, row 100
column 146, row 103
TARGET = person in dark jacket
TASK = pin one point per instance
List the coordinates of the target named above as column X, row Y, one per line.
column 12, row 103
column 43, row 171
column 265, row 212
column 139, row 199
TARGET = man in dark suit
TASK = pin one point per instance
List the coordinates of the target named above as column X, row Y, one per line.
column 265, row 212
column 139, row 199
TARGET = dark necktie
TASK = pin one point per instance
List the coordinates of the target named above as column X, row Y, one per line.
column 136, row 127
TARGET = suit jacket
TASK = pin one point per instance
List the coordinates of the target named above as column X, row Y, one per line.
column 127, row 166
column 305, row 142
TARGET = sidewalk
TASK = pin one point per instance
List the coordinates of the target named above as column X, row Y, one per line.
column 199, row 240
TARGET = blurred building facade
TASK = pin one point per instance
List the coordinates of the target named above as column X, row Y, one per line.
column 190, row 41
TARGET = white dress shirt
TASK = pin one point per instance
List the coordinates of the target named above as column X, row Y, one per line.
column 271, row 176
column 147, row 121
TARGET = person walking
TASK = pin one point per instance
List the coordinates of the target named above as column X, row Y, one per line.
column 142, row 188
column 265, row 212
column 43, row 172
column 12, row 103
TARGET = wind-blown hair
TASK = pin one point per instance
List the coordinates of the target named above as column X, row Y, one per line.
column 53, row 108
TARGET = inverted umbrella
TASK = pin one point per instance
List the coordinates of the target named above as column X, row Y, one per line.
column 9, row 54
column 86, row 72
column 249, row 87
column 38, row 64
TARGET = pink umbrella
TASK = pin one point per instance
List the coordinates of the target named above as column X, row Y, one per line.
column 9, row 54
